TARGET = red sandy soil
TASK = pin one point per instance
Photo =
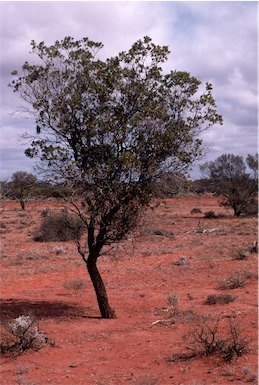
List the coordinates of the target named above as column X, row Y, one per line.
column 136, row 347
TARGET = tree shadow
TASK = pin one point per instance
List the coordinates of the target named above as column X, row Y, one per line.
column 13, row 308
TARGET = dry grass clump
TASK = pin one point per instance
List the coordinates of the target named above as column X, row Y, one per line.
column 213, row 299
column 172, row 300
column 74, row 284
column 233, row 281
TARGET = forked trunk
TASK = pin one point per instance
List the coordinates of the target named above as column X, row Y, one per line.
column 99, row 287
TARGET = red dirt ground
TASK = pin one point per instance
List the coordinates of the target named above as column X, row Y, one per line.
column 135, row 348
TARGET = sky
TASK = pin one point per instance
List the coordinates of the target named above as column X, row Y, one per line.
column 213, row 41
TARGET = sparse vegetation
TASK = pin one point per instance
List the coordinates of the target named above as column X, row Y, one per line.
column 172, row 300
column 213, row 299
column 196, row 211
column 210, row 337
column 210, row 214
column 21, row 335
column 244, row 253
column 168, row 293
column 2, row 225
column 74, row 284
column 59, row 250
column 233, row 281
column 251, row 375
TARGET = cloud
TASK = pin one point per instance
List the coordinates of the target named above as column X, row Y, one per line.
column 214, row 41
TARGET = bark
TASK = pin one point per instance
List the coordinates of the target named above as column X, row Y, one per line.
column 22, row 204
column 99, row 287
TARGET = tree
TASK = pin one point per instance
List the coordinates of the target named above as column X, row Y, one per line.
column 229, row 177
column 108, row 129
column 21, row 186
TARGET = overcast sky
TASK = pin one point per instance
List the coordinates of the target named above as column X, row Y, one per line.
column 214, row 41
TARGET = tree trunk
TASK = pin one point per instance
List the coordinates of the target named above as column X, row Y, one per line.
column 99, row 287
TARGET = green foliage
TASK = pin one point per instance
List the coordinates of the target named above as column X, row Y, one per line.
column 21, row 186
column 229, row 177
column 108, row 129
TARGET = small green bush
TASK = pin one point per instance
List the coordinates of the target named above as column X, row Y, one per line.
column 59, row 227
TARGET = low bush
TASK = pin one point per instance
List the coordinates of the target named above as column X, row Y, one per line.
column 212, row 336
column 21, row 335
column 74, row 284
column 246, row 252
column 172, row 300
column 59, row 227
column 210, row 214
column 252, row 208
column 213, row 299
column 196, row 211
column 233, row 281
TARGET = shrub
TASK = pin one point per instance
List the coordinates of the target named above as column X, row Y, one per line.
column 210, row 214
column 46, row 212
column 20, row 335
column 59, row 226
column 233, row 281
column 213, row 299
column 246, row 252
column 210, row 337
column 252, row 375
column 74, row 284
column 252, row 208
column 59, row 250
column 172, row 300
column 242, row 254
column 254, row 248
column 196, row 211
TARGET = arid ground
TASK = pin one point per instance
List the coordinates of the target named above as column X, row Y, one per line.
column 160, row 282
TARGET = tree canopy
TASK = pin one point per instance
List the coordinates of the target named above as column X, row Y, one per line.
column 110, row 128
column 230, row 177
column 21, row 186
